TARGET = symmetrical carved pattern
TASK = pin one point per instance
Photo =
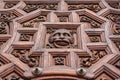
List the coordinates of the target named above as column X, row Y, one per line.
column 32, row 22
column 24, row 56
column 61, row 38
column 93, row 23
column 92, row 7
column 26, row 37
column 95, row 38
column 59, row 60
column 63, row 19
column 32, row 7
column 96, row 56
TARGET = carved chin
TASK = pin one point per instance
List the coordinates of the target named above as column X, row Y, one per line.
column 61, row 43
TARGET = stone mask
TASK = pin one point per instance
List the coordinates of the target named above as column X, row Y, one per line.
column 61, row 38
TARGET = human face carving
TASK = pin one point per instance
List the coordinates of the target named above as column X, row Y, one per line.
column 61, row 38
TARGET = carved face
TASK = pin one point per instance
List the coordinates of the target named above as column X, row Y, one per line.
column 61, row 38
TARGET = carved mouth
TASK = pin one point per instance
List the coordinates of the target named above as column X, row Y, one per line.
column 62, row 43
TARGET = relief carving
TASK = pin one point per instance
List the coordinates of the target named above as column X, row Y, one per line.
column 63, row 19
column 3, row 28
column 117, row 45
column 115, row 5
column 93, row 23
column 118, row 64
column 116, row 30
column 61, row 38
column 25, row 57
column 9, row 5
column 96, row 56
column 32, row 7
column 59, row 60
column 92, row 7
column 26, row 37
column 95, row 38
column 32, row 22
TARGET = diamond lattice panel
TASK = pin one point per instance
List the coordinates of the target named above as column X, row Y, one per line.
column 49, row 39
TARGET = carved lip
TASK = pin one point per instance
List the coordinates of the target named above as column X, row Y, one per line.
column 62, row 42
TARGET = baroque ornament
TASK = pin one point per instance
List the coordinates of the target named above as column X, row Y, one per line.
column 61, row 38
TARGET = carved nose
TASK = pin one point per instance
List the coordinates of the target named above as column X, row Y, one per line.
column 61, row 37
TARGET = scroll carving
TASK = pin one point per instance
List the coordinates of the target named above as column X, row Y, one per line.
column 93, row 23
column 61, row 38
column 96, row 56
column 92, row 7
column 25, row 57
column 32, row 7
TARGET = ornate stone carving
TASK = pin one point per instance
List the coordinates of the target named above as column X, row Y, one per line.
column 25, row 57
column 96, row 56
column 115, row 5
column 91, row 6
column 93, row 23
column 32, row 22
column 116, row 29
column 6, row 17
column 63, row 19
column 114, row 17
column 26, row 37
column 3, row 27
column 95, row 38
column 61, row 38
column 9, row 5
column 32, row 7
column 1, row 43
column 59, row 60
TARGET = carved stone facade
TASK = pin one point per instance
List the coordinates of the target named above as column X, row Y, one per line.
column 59, row 39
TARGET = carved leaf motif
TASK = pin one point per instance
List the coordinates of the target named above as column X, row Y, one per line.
column 25, row 57
column 96, row 56
column 92, row 7
column 59, row 60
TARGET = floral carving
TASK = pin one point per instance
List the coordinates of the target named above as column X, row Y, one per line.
column 26, row 37
column 25, row 57
column 61, row 38
column 63, row 19
column 93, row 23
column 115, row 5
column 95, row 38
column 116, row 30
column 92, row 7
column 32, row 22
column 3, row 27
column 9, row 5
column 59, row 60
column 32, row 7
column 96, row 56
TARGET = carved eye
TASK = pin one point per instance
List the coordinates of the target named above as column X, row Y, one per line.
column 57, row 34
column 66, row 34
